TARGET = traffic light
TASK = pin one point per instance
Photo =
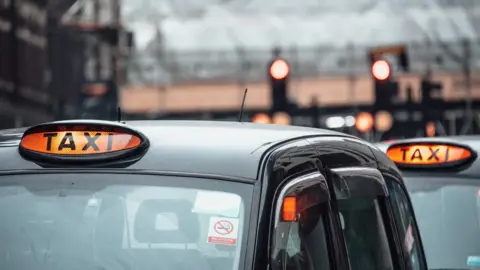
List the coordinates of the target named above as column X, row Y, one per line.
column 278, row 118
column 385, row 87
column 261, row 118
column 400, row 52
column 381, row 70
column 278, row 72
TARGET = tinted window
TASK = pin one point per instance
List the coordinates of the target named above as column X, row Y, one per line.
column 365, row 235
column 408, row 233
column 302, row 245
column 92, row 221
column 448, row 216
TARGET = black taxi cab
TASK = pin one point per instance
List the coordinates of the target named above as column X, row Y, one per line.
column 443, row 179
column 153, row 195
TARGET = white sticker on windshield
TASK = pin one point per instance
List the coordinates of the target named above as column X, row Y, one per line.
column 473, row 260
column 223, row 231
column 206, row 202
column 409, row 240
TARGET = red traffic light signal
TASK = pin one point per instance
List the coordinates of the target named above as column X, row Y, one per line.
column 364, row 122
column 381, row 70
column 261, row 118
column 279, row 69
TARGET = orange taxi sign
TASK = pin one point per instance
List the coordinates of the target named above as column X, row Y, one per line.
column 80, row 141
column 429, row 154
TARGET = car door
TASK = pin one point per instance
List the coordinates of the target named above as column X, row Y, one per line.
column 367, row 223
column 302, row 228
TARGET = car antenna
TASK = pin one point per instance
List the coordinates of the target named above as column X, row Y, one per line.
column 119, row 114
column 240, row 116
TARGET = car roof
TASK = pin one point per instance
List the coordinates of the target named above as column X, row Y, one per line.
column 207, row 147
column 472, row 141
column 465, row 139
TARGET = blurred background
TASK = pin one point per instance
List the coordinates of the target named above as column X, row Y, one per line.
column 378, row 69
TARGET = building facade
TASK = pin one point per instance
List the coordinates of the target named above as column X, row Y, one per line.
column 24, row 73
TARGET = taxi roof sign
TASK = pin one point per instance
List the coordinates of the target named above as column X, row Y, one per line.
column 81, row 142
column 417, row 155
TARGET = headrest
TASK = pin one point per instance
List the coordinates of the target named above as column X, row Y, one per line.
column 145, row 226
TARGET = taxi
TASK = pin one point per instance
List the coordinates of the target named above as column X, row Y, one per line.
column 442, row 176
column 153, row 195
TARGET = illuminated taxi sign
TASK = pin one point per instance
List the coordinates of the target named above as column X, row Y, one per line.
column 417, row 155
column 80, row 142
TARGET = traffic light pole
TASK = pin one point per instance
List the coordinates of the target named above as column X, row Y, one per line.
column 315, row 112
column 352, row 78
column 97, row 47
column 278, row 76
column 432, row 100
column 468, row 87
column 384, row 86
column 14, row 50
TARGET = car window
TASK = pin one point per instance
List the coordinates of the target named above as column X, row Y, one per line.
column 448, row 215
column 90, row 221
column 302, row 245
column 365, row 234
column 407, row 231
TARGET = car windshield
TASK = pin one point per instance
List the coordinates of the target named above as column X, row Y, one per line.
column 448, row 214
column 121, row 222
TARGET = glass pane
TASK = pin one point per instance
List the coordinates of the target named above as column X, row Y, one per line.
column 302, row 244
column 408, row 233
column 365, row 236
column 91, row 221
column 448, row 216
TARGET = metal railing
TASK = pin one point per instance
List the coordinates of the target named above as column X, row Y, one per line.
column 170, row 67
